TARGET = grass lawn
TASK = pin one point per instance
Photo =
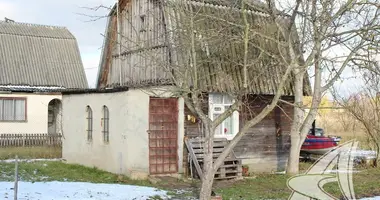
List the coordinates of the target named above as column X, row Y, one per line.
column 59, row 171
column 273, row 186
column 259, row 186
column 30, row 152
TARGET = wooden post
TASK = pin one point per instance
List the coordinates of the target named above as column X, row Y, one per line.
column 313, row 126
column 16, row 178
column 194, row 158
column 191, row 166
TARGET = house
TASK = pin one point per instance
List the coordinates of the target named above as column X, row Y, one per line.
column 37, row 62
column 135, row 123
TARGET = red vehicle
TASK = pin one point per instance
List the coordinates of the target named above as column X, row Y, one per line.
column 318, row 144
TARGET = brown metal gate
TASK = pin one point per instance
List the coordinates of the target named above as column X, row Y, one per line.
column 163, row 133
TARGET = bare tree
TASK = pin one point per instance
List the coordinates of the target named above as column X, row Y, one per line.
column 198, row 47
column 364, row 106
column 333, row 35
column 203, row 37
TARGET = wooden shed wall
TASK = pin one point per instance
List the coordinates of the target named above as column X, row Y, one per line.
column 265, row 146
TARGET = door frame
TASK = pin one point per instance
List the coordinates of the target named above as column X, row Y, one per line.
column 177, row 146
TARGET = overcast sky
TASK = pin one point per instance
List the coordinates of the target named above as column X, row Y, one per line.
column 65, row 13
column 70, row 14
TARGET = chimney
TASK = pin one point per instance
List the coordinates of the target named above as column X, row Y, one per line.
column 8, row 20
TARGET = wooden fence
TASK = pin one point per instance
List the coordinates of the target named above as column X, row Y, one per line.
column 30, row 140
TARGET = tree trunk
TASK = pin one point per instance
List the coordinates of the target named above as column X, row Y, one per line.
column 377, row 159
column 206, row 186
column 294, row 155
column 298, row 118
column 208, row 172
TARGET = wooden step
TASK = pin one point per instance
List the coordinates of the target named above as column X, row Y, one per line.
column 215, row 150
column 226, row 178
column 231, row 166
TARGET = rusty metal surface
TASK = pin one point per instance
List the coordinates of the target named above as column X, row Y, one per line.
column 163, row 136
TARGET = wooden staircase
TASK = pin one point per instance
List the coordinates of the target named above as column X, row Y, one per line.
column 231, row 167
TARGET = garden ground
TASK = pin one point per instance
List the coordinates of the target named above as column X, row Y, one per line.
column 258, row 186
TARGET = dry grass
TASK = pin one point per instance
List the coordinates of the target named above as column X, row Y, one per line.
column 340, row 123
column 30, row 152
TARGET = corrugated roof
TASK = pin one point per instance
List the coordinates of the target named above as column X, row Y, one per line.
column 221, row 64
column 32, row 54
column 62, row 90
column 35, row 30
column 29, row 88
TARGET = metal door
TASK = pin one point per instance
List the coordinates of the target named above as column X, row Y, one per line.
column 163, row 135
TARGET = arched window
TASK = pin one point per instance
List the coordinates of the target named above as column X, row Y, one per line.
column 89, row 123
column 105, row 124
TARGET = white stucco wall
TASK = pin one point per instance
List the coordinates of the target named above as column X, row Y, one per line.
column 128, row 150
column 37, row 114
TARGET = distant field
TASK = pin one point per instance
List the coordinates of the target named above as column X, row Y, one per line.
column 339, row 123
column 342, row 124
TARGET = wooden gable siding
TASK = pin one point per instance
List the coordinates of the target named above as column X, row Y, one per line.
column 147, row 26
column 109, row 49
column 143, row 51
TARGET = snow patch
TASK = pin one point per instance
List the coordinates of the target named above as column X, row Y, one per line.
column 78, row 190
column 371, row 198
column 341, row 171
column 367, row 154
column 30, row 160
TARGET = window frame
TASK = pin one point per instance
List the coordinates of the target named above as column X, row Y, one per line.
column 235, row 115
column 105, row 124
column 25, row 109
column 89, row 123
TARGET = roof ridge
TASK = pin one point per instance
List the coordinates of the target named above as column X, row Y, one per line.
column 208, row 4
column 33, row 24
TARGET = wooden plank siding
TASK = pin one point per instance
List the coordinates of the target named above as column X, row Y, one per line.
column 266, row 144
column 143, row 50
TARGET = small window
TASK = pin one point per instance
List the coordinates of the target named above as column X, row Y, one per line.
column 218, row 104
column 13, row 109
column 89, row 123
column 105, row 124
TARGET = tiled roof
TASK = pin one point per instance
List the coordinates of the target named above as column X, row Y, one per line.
column 37, row 55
